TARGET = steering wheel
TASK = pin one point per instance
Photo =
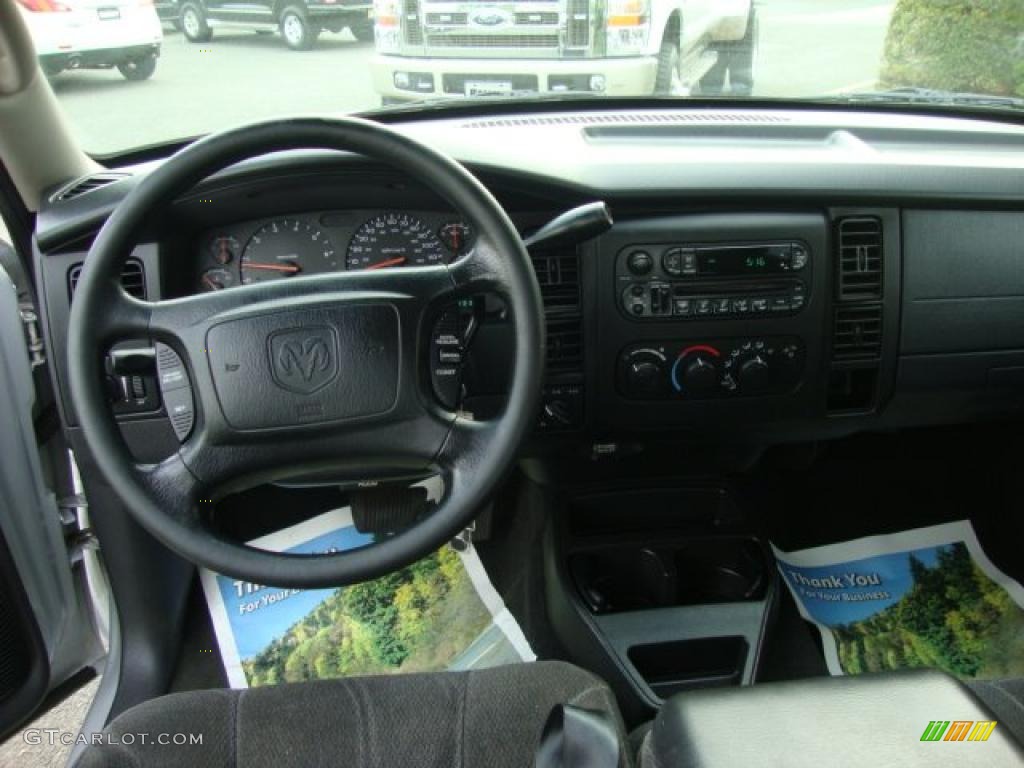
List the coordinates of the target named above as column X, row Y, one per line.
column 330, row 371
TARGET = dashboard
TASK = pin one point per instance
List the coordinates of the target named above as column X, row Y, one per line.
column 309, row 243
column 770, row 277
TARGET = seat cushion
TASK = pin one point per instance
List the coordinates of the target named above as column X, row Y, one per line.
column 847, row 722
column 491, row 717
column 1006, row 700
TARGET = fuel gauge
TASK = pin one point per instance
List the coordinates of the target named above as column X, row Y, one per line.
column 224, row 249
column 216, row 280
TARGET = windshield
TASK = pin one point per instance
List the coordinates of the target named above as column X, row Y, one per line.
column 131, row 73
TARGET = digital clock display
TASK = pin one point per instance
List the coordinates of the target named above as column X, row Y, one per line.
column 743, row 259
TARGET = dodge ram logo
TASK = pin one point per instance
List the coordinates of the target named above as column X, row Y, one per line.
column 304, row 360
column 491, row 17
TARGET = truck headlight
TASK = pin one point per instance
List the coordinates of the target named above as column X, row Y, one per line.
column 387, row 27
column 629, row 22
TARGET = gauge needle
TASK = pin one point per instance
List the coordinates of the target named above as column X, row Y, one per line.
column 388, row 263
column 289, row 268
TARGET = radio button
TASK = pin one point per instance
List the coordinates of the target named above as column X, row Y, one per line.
column 759, row 305
column 741, row 306
column 703, row 306
column 798, row 256
column 682, row 307
column 637, row 309
column 796, row 303
column 689, row 262
column 723, row 306
column 672, row 262
column 780, row 304
column 637, row 290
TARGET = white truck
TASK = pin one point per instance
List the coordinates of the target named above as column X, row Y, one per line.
column 433, row 49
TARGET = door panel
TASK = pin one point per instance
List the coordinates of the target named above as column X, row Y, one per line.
column 46, row 629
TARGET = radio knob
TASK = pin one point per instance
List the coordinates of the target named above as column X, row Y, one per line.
column 645, row 373
column 639, row 263
column 755, row 374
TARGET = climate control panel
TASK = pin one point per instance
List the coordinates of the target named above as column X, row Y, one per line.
column 711, row 369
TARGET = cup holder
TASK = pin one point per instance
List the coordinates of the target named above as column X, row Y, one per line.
column 692, row 572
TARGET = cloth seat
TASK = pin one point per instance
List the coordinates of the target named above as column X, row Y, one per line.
column 491, row 718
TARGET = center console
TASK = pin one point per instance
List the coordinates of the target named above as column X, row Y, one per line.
column 711, row 319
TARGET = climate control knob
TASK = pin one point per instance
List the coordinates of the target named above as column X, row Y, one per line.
column 700, row 374
column 696, row 370
column 645, row 374
column 755, row 374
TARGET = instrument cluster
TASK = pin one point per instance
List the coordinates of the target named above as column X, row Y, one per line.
column 306, row 244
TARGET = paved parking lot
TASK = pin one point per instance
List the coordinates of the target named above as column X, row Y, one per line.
column 807, row 47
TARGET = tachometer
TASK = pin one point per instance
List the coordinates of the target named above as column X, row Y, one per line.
column 287, row 248
column 394, row 240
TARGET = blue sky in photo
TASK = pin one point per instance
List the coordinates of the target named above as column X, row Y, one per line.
column 893, row 570
column 256, row 629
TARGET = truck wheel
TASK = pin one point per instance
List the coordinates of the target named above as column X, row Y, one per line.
column 667, row 81
column 51, row 68
column 298, row 33
column 362, row 31
column 138, row 69
column 193, row 23
column 735, row 58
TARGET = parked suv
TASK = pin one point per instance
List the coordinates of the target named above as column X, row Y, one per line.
column 94, row 34
column 440, row 48
column 299, row 21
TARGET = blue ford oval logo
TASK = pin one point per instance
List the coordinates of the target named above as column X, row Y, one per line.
column 490, row 17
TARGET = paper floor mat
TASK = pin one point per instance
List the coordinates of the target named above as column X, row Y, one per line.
column 439, row 613
column 927, row 597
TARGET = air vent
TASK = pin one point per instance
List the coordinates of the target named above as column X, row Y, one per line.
column 635, row 118
column 87, row 184
column 857, row 334
column 565, row 347
column 133, row 279
column 558, row 273
column 860, row 259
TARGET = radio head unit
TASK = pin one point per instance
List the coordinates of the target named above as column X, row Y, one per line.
column 678, row 280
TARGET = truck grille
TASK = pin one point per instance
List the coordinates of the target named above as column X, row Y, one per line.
column 539, row 19
column 412, row 26
column 577, row 27
column 492, row 41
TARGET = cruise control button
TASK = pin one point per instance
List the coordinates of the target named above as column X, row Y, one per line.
column 450, row 356
column 170, row 369
column 180, row 411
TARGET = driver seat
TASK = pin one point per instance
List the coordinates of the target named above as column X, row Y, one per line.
column 488, row 718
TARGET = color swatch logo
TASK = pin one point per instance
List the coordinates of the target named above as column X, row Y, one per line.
column 958, row 730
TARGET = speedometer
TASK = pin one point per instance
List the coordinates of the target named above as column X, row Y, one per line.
column 394, row 240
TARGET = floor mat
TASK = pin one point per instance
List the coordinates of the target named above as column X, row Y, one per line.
column 927, row 597
column 439, row 613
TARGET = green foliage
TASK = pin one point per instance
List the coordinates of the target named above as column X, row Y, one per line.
column 954, row 618
column 411, row 620
column 960, row 45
